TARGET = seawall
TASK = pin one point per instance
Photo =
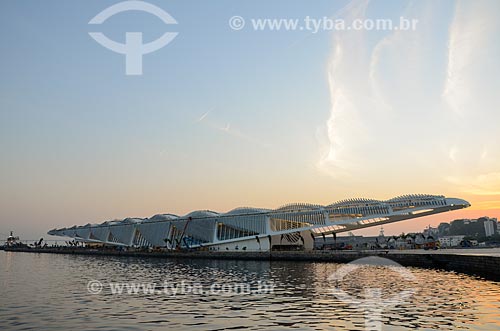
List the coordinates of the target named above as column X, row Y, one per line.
column 480, row 265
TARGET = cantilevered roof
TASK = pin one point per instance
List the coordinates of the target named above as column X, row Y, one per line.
column 247, row 210
column 201, row 213
column 132, row 220
column 355, row 201
column 162, row 217
column 415, row 197
column 299, row 206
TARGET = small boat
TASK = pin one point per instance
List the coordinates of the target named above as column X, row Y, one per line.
column 11, row 241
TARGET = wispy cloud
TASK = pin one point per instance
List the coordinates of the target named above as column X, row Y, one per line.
column 345, row 130
column 202, row 117
column 418, row 105
column 470, row 93
column 229, row 129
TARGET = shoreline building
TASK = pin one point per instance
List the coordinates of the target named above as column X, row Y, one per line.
column 478, row 227
column 290, row 227
column 451, row 241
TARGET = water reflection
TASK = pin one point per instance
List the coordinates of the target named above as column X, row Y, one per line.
column 49, row 292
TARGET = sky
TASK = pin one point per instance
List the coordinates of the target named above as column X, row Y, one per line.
column 222, row 118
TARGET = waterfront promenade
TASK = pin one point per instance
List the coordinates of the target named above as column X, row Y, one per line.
column 456, row 251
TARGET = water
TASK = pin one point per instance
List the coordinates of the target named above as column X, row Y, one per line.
column 49, row 292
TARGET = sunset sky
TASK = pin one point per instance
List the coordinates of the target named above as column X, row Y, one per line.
column 223, row 118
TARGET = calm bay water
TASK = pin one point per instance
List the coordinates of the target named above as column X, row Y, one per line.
column 50, row 292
